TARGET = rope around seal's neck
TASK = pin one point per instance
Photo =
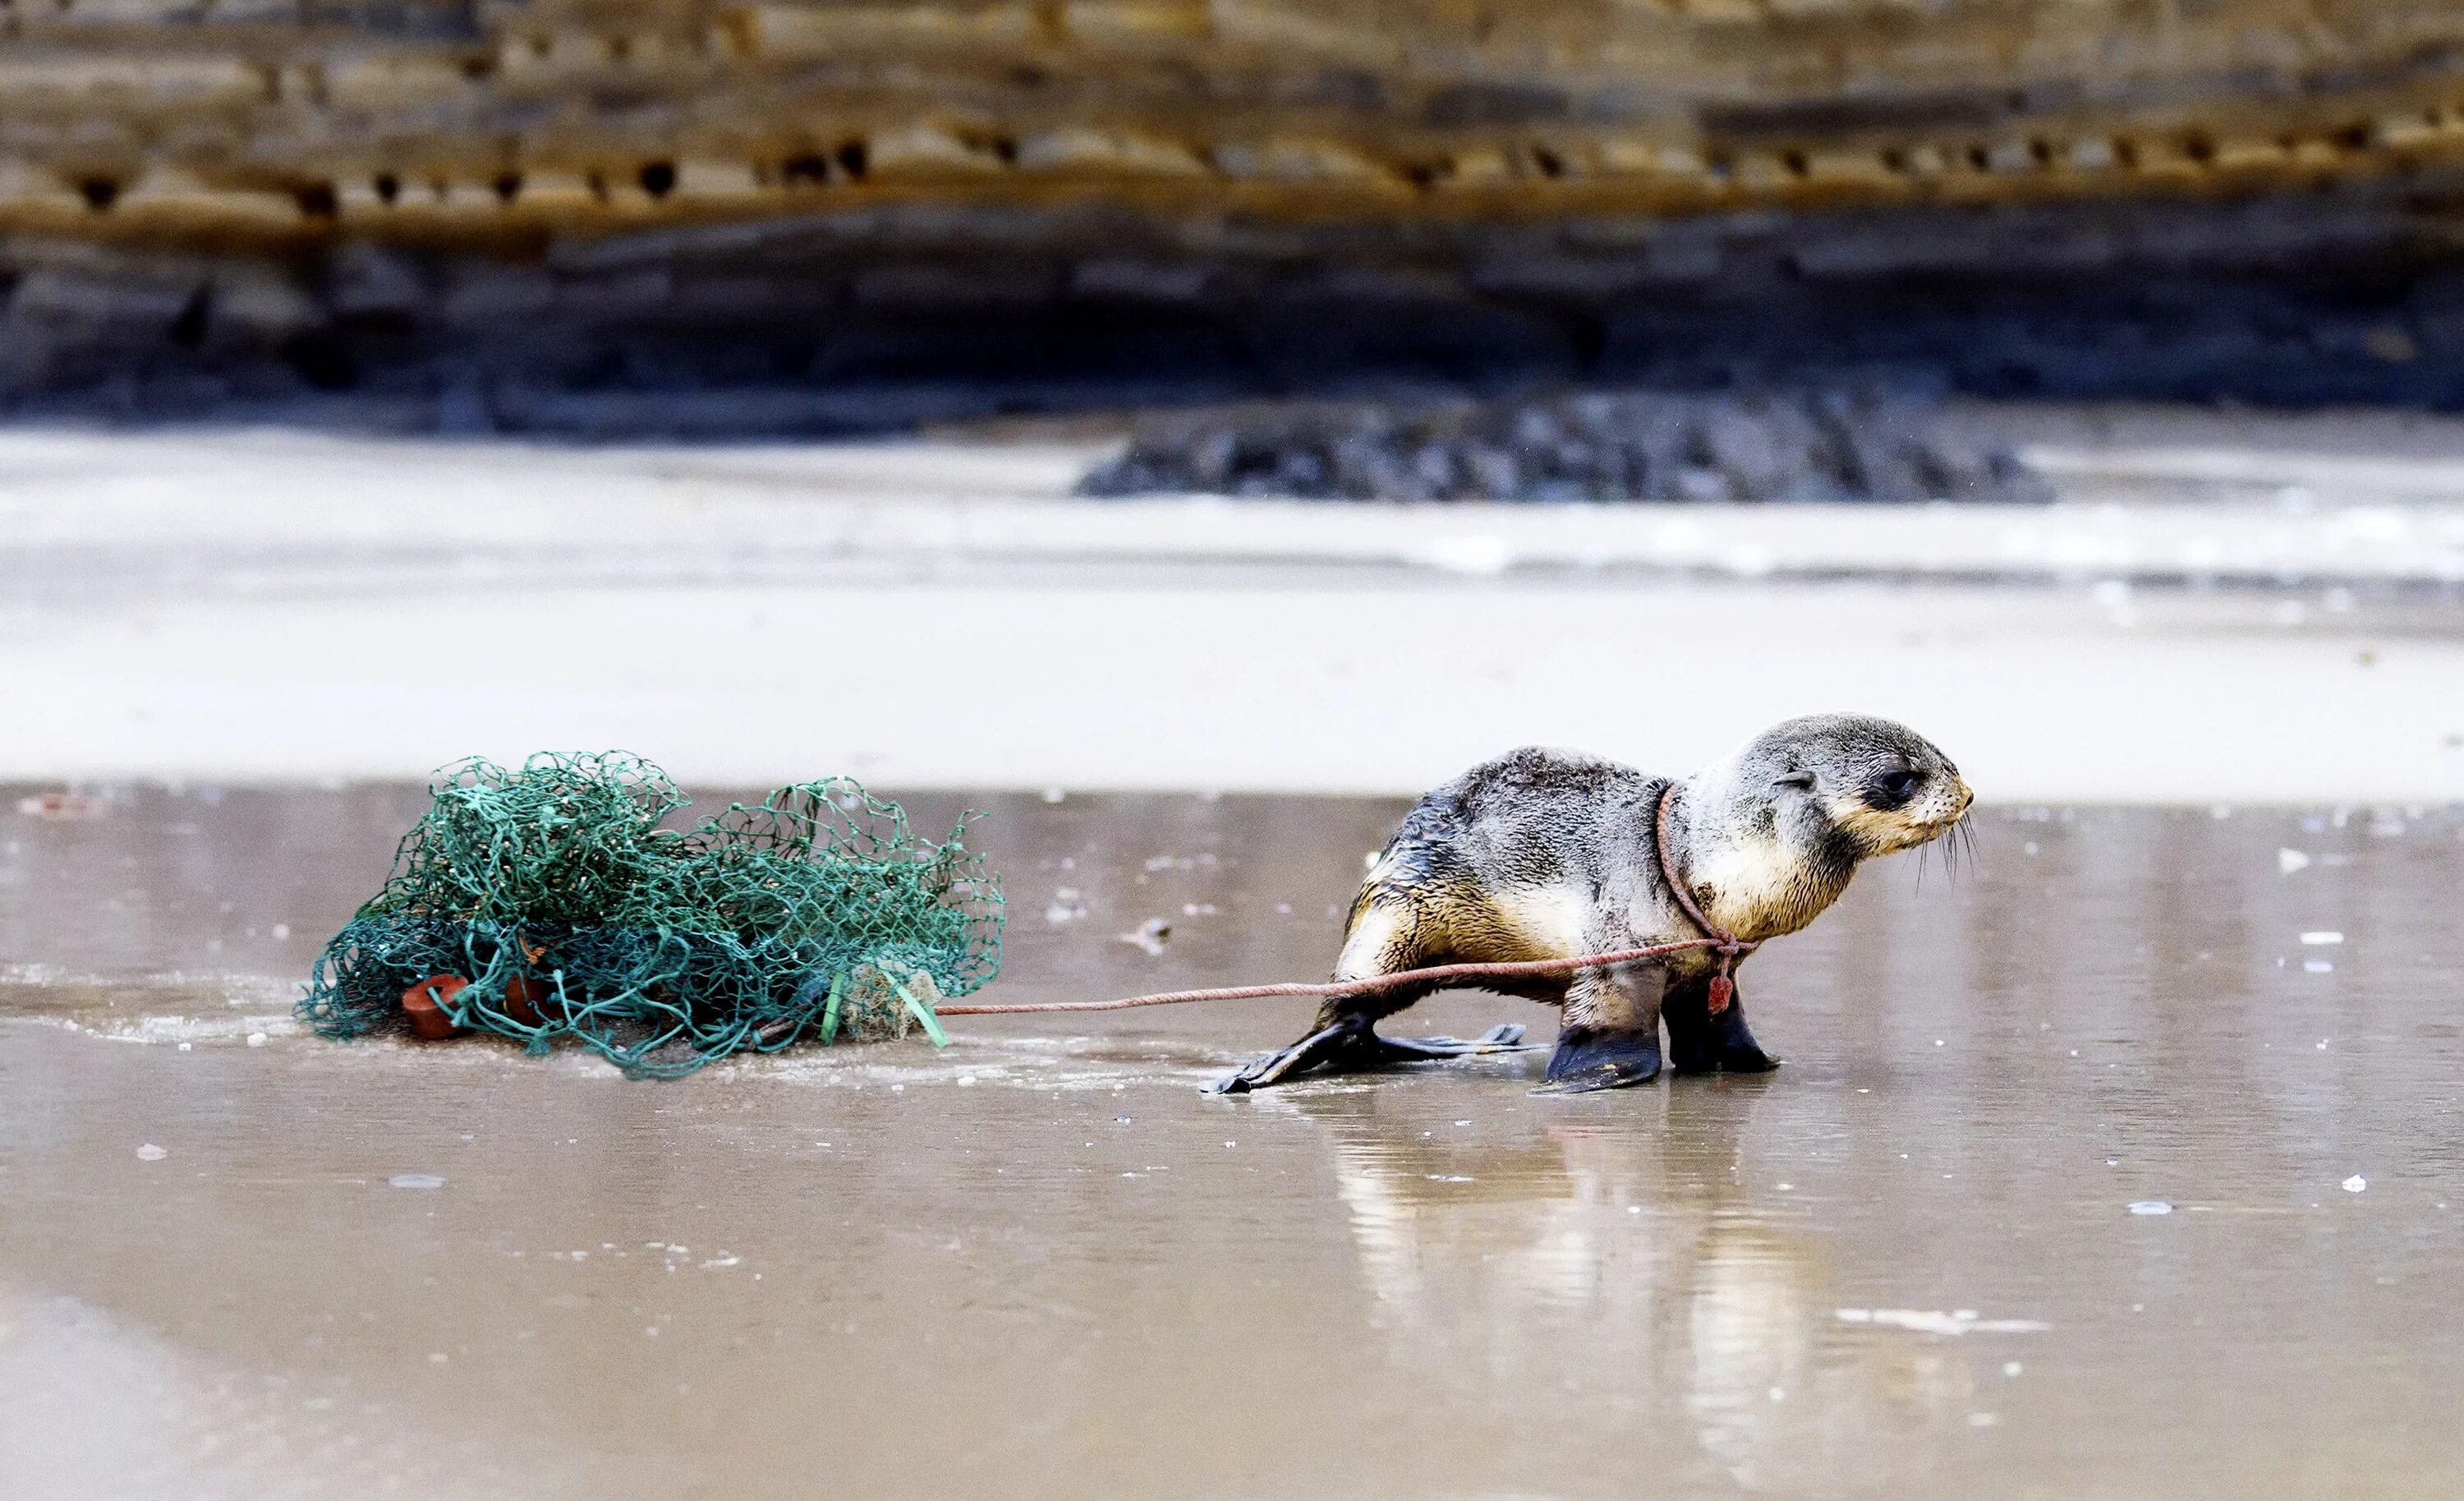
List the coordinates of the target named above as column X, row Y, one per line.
column 1729, row 946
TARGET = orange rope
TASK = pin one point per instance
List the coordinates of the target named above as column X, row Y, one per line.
column 1443, row 974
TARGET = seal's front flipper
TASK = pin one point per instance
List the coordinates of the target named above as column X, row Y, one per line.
column 1505, row 1037
column 1700, row 1042
column 1591, row 1058
column 1735, row 1047
column 1321, row 1046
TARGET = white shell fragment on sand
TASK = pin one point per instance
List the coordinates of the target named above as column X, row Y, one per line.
column 1933, row 1322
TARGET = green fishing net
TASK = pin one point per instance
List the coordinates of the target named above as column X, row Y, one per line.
column 554, row 891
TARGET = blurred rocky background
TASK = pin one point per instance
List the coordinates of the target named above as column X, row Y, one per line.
column 678, row 217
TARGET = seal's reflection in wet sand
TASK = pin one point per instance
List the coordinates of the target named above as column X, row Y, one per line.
column 1624, row 1237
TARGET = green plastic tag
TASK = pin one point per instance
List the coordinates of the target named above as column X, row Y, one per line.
column 830, row 1009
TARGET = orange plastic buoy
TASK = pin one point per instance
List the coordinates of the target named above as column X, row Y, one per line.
column 427, row 1017
column 531, row 1002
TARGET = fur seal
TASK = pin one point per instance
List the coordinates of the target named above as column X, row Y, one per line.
column 1549, row 855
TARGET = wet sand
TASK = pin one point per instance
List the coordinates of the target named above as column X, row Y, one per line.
column 1041, row 1264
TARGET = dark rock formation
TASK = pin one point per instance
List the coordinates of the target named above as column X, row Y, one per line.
column 1822, row 446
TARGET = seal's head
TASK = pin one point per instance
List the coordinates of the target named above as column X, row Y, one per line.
column 1878, row 783
column 1782, row 825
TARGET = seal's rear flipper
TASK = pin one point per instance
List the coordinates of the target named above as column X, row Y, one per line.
column 1505, row 1037
column 1350, row 1046
column 1590, row 1058
column 1319, row 1047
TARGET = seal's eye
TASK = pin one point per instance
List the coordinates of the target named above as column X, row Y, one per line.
column 1892, row 789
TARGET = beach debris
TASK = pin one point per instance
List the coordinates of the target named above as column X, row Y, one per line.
column 1151, row 936
column 425, row 1002
column 63, row 806
column 548, row 902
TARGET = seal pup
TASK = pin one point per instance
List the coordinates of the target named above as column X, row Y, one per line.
column 1550, row 854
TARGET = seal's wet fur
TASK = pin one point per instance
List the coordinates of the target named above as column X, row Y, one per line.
column 1549, row 855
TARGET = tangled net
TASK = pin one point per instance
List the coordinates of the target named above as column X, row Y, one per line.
column 554, row 893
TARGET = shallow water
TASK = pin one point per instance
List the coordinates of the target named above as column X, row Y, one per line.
column 1041, row 1264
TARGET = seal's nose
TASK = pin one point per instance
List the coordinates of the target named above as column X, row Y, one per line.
column 1967, row 798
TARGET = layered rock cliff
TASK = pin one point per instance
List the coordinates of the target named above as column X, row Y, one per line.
column 206, row 200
